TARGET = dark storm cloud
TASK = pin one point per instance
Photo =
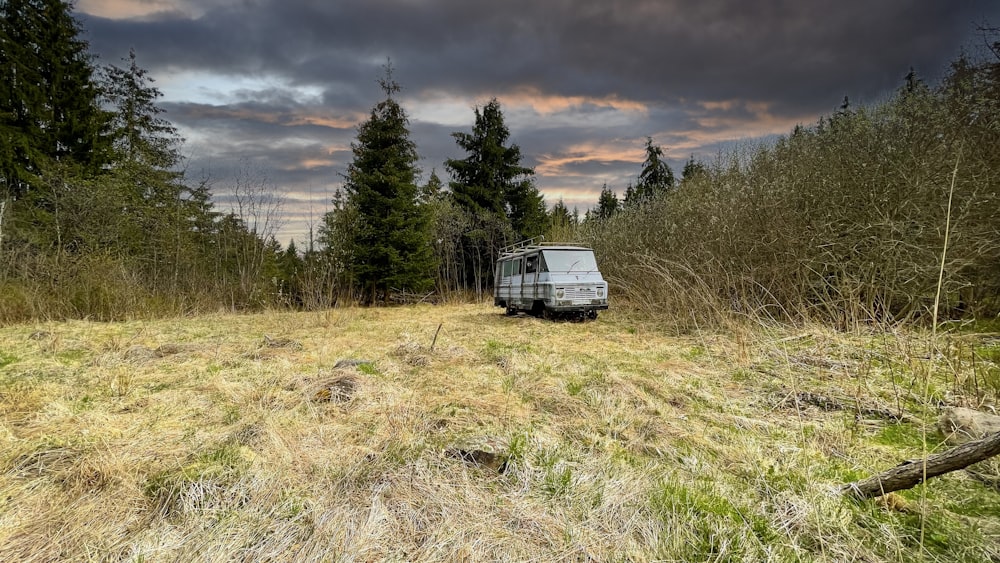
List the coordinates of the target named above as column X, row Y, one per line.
column 583, row 82
column 786, row 52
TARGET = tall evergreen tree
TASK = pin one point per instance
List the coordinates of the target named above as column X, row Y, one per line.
column 495, row 192
column 433, row 190
column 631, row 198
column 492, row 179
column 391, row 244
column 52, row 129
column 560, row 215
column 145, row 158
column 138, row 133
column 19, row 91
column 656, row 176
column 692, row 168
column 49, row 98
column 607, row 203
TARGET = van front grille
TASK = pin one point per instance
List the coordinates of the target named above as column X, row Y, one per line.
column 577, row 293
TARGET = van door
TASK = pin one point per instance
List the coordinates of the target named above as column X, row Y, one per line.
column 515, row 282
column 528, row 283
column 505, row 272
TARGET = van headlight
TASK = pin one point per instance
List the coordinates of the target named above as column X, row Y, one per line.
column 560, row 293
column 600, row 292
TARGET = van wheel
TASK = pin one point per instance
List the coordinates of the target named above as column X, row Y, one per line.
column 538, row 309
column 511, row 311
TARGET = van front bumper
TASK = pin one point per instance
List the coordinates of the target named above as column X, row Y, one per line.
column 578, row 305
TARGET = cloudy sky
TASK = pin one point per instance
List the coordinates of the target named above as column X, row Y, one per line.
column 277, row 87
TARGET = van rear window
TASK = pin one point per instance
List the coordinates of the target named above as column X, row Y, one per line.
column 508, row 268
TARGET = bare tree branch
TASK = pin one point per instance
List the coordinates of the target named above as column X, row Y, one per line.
column 912, row 472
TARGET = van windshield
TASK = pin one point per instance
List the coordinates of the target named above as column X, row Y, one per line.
column 570, row 260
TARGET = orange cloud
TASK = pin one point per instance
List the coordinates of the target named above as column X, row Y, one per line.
column 310, row 163
column 334, row 122
column 548, row 104
column 556, row 164
column 275, row 118
column 125, row 9
column 758, row 122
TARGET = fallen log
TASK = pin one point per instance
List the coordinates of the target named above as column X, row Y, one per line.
column 913, row 472
column 829, row 403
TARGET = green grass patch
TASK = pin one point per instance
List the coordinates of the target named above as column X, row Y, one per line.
column 693, row 353
column 7, row 359
column 497, row 350
column 575, row 386
column 903, row 436
column 705, row 525
column 207, row 482
column 71, row 356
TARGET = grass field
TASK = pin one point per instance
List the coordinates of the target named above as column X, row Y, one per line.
column 237, row 437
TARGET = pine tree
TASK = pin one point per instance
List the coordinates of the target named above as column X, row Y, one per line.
column 52, row 129
column 145, row 158
column 496, row 193
column 49, row 98
column 562, row 224
column 433, row 190
column 607, row 203
column 291, row 268
column 560, row 216
column 19, row 82
column 491, row 178
column 138, row 133
column 692, row 168
column 482, row 180
column 631, row 197
column 656, row 177
column 391, row 244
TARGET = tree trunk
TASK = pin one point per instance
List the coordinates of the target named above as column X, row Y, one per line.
column 3, row 207
column 913, row 472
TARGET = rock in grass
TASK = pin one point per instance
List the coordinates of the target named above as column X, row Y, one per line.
column 959, row 425
column 337, row 390
column 281, row 343
column 480, row 458
column 351, row 363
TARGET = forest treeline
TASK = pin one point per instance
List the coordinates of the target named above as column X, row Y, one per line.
column 841, row 221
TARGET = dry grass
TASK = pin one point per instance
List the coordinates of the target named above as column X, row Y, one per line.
column 236, row 438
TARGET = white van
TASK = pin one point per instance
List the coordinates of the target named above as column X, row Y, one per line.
column 549, row 279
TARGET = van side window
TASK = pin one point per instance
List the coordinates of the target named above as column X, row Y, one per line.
column 508, row 267
column 517, row 267
column 531, row 264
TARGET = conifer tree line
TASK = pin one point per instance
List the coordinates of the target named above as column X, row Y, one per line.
column 388, row 237
column 96, row 218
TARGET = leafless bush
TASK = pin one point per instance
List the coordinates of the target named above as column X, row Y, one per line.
column 842, row 222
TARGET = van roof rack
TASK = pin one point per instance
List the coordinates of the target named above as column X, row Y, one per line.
column 524, row 244
column 531, row 244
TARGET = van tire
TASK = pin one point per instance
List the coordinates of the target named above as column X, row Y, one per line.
column 538, row 309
